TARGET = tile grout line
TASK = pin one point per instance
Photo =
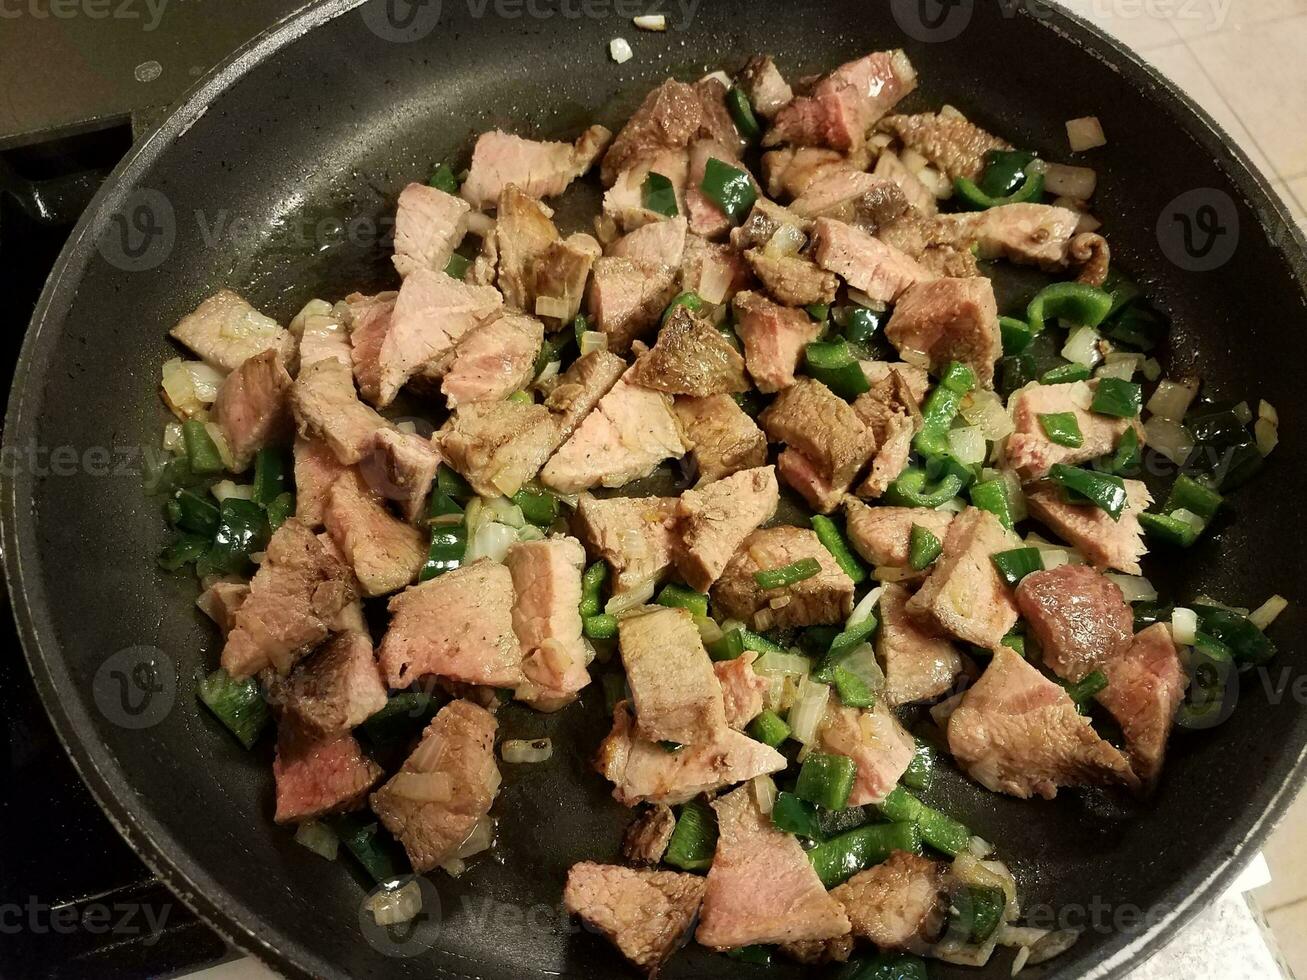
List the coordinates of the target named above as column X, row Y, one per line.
column 1267, row 910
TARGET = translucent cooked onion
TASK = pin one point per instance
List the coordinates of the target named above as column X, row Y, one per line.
column 1054, row 944
column 715, row 280
column 553, row 306
column 893, row 573
column 864, row 607
column 227, row 488
column 786, row 241
column 1267, row 435
column 1243, row 412
column 709, row 631
column 504, row 511
column 423, row 787
column 172, row 438
column 1120, row 364
column 593, row 340
column 985, row 410
column 1085, row 133
column 943, row 711
column 1082, row 396
column 318, row 838
column 809, row 709
column 764, row 793
column 967, row 444
column 1077, row 182
column 1265, row 614
column 638, row 596
column 517, row 751
column 651, row 22
column 1265, row 410
column 395, row 902
column 862, row 663
column 1082, row 347
column 189, row 387
column 1135, row 588
column 314, row 307
column 778, row 663
column 1169, row 438
column 491, row 541
column 220, row 443
column 1184, row 624
column 1171, row 400
column 619, row 49
column 1152, row 368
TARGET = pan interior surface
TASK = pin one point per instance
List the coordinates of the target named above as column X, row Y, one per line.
column 281, row 189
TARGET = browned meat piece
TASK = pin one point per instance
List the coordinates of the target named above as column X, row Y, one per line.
column 498, row 446
column 318, row 777
column 673, row 688
column 879, row 270
column 774, row 338
column 913, row 378
column 298, row 589
column 721, row 436
column 524, row 229
column 401, row 468
column 791, row 171
column 626, row 298
column 703, row 213
column 954, row 145
column 950, row 320
column 645, row 914
column 624, row 201
column 334, row 689
column 385, row 553
column 633, row 534
column 646, row 839
column 764, row 220
column 881, row 535
column 857, row 198
column 1104, row 542
column 323, row 333
column 873, row 739
column 327, row 406
column 670, row 118
column 561, row 273
column 1090, row 251
column 539, row 169
column 657, row 243
column 645, row 772
column 370, row 322
column 444, row 788
column 816, row 952
column 917, row 194
column 890, row 408
column 579, row 389
column 743, row 691
column 1017, row 732
column 792, row 280
column 253, row 406
column 919, row 666
column 899, row 904
column 1031, row 234
column 225, row 331
column 221, row 600
column 763, row 83
column 458, row 626
column 547, row 619
column 432, row 313
column 824, row 429
column 629, row 433
column 964, row 596
column 691, row 357
column 826, row 597
column 316, row 469
column 891, row 457
column 429, row 224
column 1029, row 450
column 1078, row 616
column 714, row 270
column 845, row 104
column 1145, row 686
column 712, row 522
column 761, row 887
column 493, row 360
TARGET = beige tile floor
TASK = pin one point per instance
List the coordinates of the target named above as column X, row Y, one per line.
column 1245, row 62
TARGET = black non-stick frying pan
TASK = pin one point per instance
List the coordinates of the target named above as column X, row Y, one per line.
column 318, row 124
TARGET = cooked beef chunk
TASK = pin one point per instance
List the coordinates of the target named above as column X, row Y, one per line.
column 953, row 144
column 826, row 597
column 823, row 429
column 1019, row 733
column 633, row 534
column 225, row 331
column 429, row 224
column 645, row 914
column 334, row 689
column 845, row 104
column 712, row 522
column 1029, row 450
column 561, row 273
column 881, row 534
column 705, row 216
column 221, row 600
column 579, row 389
column 327, row 406
column 917, row 194
column 919, row 666
column 793, row 280
column 646, row 772
column 743, row 690
column 1078, row 616
column 458, row 626
column 856, row 198
column 253, row 407
column 657, row 243
column 498, row 446
column 298, row 589
column 385, row 553
column 539, row 169
column 646, row 839
column 674, row 690
column 670, row 118
column 774, row 337
column 1104, row 542
column 950, row 320
column 873, row 739
column 763, row 83
column 721, row 436
column 761, row 887
column 879, row 270
column 493, row 360
column 401, row 468
column 1145, row 686
column 691, row 357
column 913, row 378
column 323, row 333
column 626, row 298
column 1031, row 234
column 317, row 777
column 714, row 270
column 624, row 201
column 898, row 904
column 524, row 230
column 964, row 596
column 891, row 409
column 547, row 619
column 444, row 788
column 370, row 322
column 791, row 171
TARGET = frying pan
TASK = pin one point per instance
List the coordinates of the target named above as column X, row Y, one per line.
column 320, row 122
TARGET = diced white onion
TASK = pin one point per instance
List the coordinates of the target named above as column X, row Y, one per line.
column 955, row 505
column 491, row 541
column 967, row 444
column 554, row 306
column 1265, row 614
column 393, row 904
column 764, row 793
column 1171, row 400
column 862, row 663
column 480, row 838
column 719, row 75
column 1152, row 368
column 318, row 838
column 1188, row 517
column 935, row 182
column 1184, row 624
column 1054, row 944
column 637, row 596
column 863, row 609
column 1243, row 412
column 709, row 631
column 786, row 241
column 1085, row 133
column 1077, row 182
column 715, row 280
column 1169, row 438
column 916, row 358
column 1081, row 395
column 979, row 848
column 913, row 160
column 1265, row 410
column 593, row 340
column 172, row 438
column 1019, row 959
column 1267, row 434
column 651, row 22
column 504, row 511
column 549, row 372
column 220, row 443
column 1120, row 364
column 808, row 710
column 776, row 663
column 189, row 386
column 1055, row 558
column 226, row 488
column 984, row 409
column 1082, row 346
column 518, row 751
column 619, row 49
column 1135, row 588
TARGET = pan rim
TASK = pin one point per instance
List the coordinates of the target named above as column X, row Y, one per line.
column 163, row 852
